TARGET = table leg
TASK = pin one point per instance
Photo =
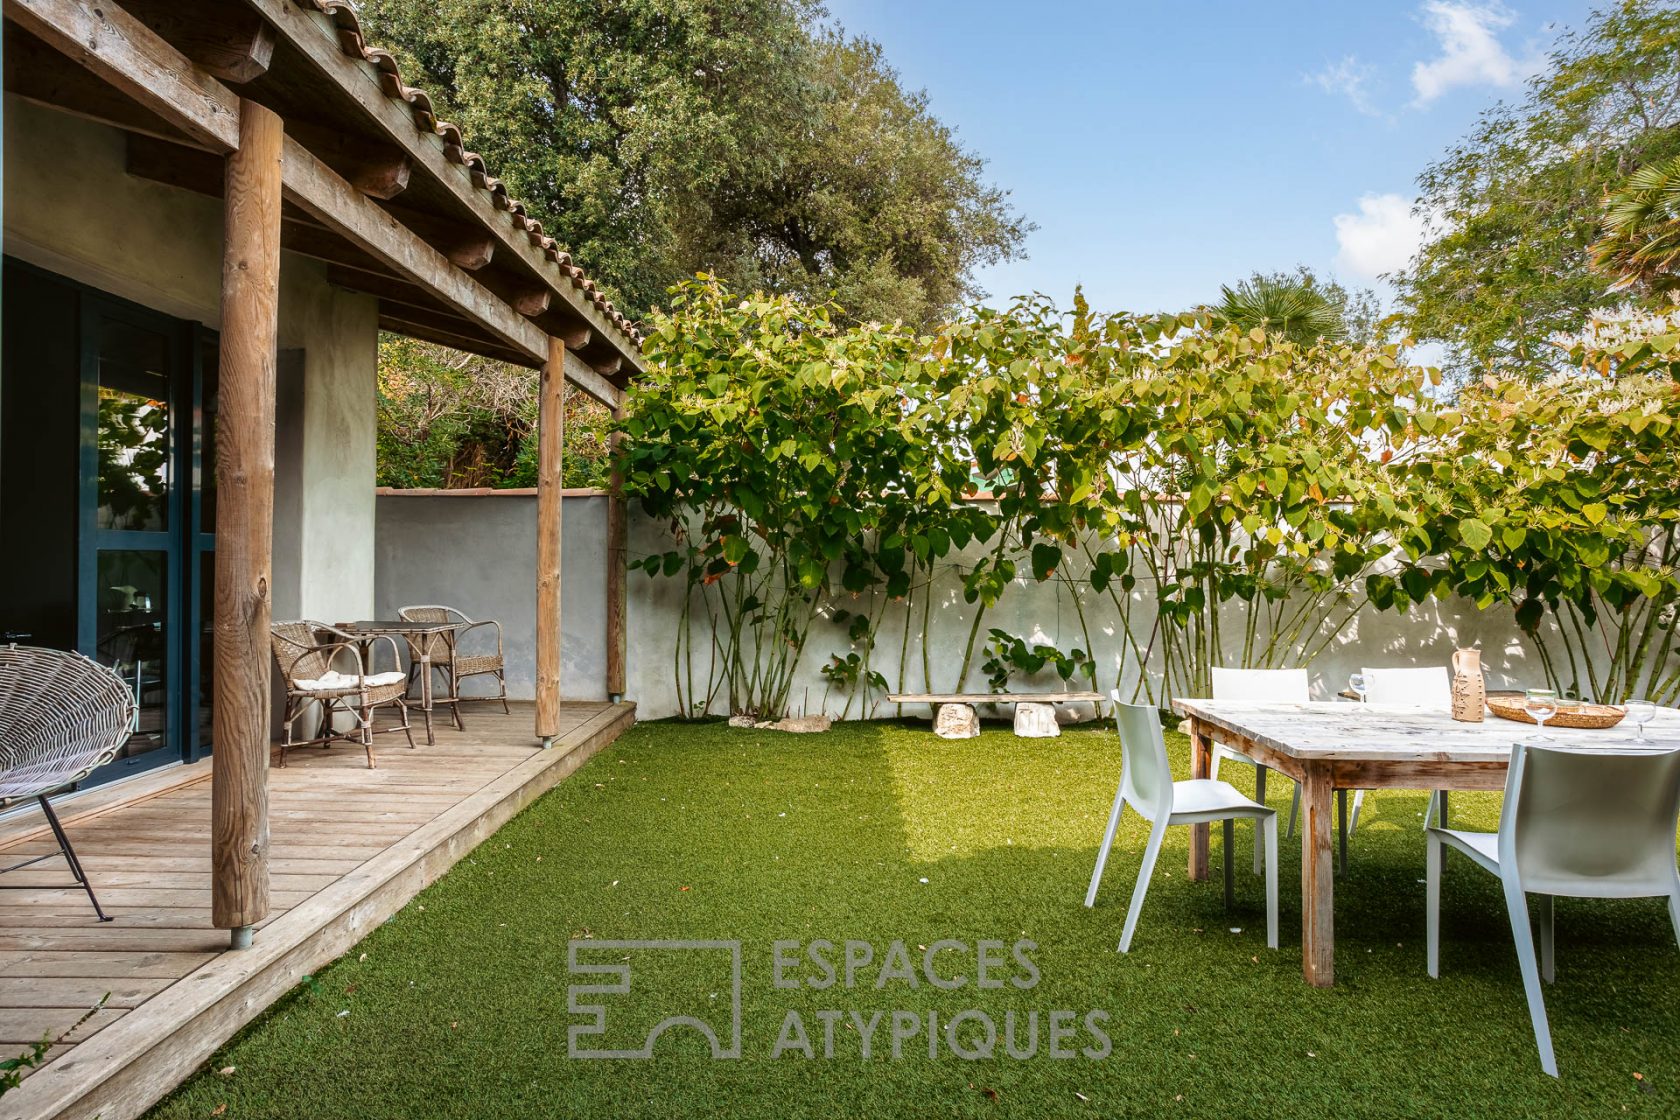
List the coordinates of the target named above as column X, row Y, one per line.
column 425, row 652
column 448, row 639
column 1201, row 761
column 1318, row 935
column 1341, row 831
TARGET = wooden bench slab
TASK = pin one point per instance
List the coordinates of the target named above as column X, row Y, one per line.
column 995, row 698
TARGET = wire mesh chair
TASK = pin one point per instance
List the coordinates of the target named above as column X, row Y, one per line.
column 61, row 717
column 305, row 652
column 454, row 664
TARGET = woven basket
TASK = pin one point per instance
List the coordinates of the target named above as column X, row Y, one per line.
column 1569, row 714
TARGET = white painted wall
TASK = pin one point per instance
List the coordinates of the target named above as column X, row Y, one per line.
column 71, row 207
column 479, row 553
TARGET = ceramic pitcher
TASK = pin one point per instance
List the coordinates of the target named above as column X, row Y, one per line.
column 1469, row 691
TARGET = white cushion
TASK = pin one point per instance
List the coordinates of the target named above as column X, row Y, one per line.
column 334, row 681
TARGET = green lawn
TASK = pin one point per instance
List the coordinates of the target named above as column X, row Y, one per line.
column 880, row 832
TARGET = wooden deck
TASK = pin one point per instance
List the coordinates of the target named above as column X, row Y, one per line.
column 349, row 847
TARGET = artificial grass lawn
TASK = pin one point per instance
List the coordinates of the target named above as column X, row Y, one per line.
column 457, row 1007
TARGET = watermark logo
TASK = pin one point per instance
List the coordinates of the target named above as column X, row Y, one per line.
column 673, row 975
column 582, row 1038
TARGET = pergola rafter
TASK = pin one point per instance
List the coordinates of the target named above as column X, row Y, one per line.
column 315, row 145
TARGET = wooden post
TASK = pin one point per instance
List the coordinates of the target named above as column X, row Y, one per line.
column 616, row 571
column 551, row 420
column 245, row 524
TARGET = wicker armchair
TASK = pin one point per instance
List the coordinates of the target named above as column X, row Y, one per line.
column 455, row 664
column 305, row 652
column 61, row 717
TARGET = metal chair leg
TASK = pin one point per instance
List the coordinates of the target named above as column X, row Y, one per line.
column 1229, row 831
column 1108, row 843
column 70, row 856
column 1157, row 833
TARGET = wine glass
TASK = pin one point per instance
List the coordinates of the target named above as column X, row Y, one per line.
column 1356, row 682
column 1541, row 704
column 1640, row 712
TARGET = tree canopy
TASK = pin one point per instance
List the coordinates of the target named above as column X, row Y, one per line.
column 742, row 138
column 1518, row 203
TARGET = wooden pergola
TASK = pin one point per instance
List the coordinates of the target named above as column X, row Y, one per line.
column 316, row 146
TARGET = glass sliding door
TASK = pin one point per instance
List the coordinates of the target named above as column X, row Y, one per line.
column 145, row 547
column 201, row 548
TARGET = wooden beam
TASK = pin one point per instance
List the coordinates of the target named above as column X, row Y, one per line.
column 244, row 530
column 551, row 419
column 323, row 194
column 617, row 572
column 400, row 320
column 126, row 54
column 467, row 246
column 579, row 373
column 37, row 73
column 394, row 293
column 377, row 169
column 523, row 296
column 229, row 40
column 313, row 34
column 175, row 165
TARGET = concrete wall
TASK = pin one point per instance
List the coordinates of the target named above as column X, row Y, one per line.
column 71, row 207
column 478, row 553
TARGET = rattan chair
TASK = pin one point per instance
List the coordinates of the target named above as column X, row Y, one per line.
column 305, row 652
column 455, row 664
column 62, row 716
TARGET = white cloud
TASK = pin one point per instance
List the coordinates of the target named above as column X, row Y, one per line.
column 1471, row 53
column 1382, row 237
column 1348, row 78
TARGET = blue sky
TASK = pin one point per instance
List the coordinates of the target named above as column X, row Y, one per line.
column 1165, row 148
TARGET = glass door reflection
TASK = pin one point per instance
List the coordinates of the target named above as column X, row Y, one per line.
column 131, row 564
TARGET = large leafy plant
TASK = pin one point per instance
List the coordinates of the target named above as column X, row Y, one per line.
column 789, row 457
column 1251, row 492
column 1562, row 501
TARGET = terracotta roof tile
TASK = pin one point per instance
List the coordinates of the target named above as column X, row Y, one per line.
column 353, row 43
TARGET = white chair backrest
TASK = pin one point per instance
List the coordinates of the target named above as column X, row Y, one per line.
column 1145, row 776
column 1430, row 687
column 1274, row 686
column 1591, row 822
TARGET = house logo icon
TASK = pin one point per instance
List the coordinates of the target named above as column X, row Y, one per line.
column 583, row 1039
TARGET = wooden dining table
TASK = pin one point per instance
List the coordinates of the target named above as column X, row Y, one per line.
column 1327, row 746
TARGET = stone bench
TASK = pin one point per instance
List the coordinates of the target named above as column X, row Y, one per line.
column 1035, row 713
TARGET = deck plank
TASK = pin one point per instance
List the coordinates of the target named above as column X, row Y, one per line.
column 349, row 845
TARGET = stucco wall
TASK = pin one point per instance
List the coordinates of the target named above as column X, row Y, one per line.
column 80, row 214
column 478, row 553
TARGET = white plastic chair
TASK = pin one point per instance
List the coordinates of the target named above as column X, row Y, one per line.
column 1146, row 782
column 1582, row 822
column 1426, row 688
column 1281, row 686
